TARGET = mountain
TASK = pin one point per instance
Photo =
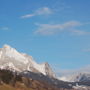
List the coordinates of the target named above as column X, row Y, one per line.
column 14, row 64
column 11, row 59
column 78, row 77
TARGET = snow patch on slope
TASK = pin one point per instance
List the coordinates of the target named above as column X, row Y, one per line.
column 9, row 66
column 39, row 67
column 0, row 54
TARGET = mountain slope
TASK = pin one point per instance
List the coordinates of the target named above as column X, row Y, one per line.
column 12, row 81
column 11, row 59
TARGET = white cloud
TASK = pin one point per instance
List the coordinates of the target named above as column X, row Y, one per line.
column 4, row 28
column 43, row 11
column 27, row 16
column 80, row 32
column 86, row 50
column 50, row 29
column 40, row 11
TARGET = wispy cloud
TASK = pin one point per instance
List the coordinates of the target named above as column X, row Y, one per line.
column 80, row 32
column 40, row 11
column 4, row 28
column 50, row 29
column 27, row 16
column 86, row 50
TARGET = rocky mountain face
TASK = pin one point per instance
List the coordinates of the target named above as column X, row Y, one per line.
column 11, row 59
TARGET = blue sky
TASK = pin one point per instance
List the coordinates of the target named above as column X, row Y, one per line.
column 54, row 31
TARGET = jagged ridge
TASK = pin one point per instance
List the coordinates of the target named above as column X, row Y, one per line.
column 11, row 59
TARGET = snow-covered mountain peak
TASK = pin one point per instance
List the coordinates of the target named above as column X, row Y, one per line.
column 6, row 46
column 10, row 57
column 13, row 53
